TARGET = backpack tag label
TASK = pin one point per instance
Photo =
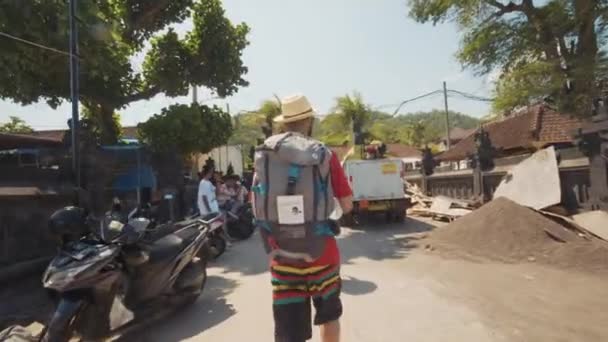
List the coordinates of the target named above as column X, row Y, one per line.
column 290, row 209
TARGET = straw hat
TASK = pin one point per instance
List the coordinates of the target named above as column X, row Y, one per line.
column 295, row 108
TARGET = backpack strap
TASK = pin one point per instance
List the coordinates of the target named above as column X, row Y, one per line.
column 293, row 175
column 267, row 184
column 315, row 186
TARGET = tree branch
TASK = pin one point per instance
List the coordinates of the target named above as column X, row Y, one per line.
column 504, row 9
column 145, row 94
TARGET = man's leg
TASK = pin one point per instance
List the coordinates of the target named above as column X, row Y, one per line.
column 292, row 321
column 291, row 305
column 330, row 332
column 328, row 306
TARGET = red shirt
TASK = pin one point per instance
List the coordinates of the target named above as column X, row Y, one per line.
column 341, row 189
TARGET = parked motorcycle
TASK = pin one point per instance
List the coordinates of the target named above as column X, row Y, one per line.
column 106, row 282
column 216, row 238
column 240, row 219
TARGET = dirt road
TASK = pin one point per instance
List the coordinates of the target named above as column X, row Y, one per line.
column 394, row 291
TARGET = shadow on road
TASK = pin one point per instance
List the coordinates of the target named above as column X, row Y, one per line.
column 23, row 302
column 382, row 241
column 357, row 287
column 245, row 257
column 210, row 310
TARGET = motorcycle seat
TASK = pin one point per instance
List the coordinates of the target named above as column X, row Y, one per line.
column 170, row 245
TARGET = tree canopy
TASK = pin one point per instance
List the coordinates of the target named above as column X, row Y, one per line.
column 187, row 129
column 111, row 34
column 15, row 125
column 543, row 49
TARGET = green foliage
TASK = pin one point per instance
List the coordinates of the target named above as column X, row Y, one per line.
column 111, row 33
column 542, row 49
column 103, row 133
column 187, row 129
column 353, row 111
column 15, row 125
column 332, row 130
column 252, row 126
column 416, row 129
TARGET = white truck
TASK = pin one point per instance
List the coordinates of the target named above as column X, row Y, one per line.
column 377, row 188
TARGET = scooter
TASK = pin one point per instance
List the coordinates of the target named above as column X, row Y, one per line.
column 217, row 239
column 107, row 282
column 240, row 219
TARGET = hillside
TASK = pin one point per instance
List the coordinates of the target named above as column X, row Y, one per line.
column 412, row 129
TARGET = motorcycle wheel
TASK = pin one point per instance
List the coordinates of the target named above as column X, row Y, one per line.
column 58, row 331
column 193, row 297
column 217, row 246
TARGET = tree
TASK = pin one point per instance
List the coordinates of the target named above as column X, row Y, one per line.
column 96, row 126
column 111, row 33
column 333, row 131
column 15, row 125
column 269, row 110
column 187, row 129
column 542, row 49
column 353, row 111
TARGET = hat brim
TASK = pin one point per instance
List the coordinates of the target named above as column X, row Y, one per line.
column 287, row 119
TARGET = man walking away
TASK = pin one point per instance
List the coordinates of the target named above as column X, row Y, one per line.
column 208, row 205
column 207, row 200
column 294, row 187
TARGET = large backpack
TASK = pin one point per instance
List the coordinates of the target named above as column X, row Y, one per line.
column 293, row 196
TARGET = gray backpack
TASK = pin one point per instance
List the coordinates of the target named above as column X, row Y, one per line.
column 293, row 196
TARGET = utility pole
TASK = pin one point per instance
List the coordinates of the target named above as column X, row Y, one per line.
column 194, row 94
column 447, row 115
column 74, row 91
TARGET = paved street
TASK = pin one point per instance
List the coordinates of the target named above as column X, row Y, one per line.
column 395, row 293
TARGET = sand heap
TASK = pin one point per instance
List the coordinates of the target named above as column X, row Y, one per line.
column 506, row 231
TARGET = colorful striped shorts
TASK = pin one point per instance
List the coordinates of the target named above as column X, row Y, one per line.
column 294, row 284
column 293, row 289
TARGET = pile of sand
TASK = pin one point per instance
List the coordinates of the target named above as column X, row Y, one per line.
column 506, row 231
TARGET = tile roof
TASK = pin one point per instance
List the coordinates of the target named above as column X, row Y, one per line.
column 403, row 151
column 11, row 141
column 458, row 133
column 532, row 128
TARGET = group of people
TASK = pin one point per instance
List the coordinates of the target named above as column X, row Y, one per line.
column 216, row 190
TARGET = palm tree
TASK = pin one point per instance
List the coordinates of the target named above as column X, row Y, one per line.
column 353, row 112
column 269, row 110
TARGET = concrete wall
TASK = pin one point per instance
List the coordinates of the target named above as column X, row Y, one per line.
column 574, row 179
column 23, row 223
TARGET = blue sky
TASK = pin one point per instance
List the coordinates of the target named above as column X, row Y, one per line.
column 324, row 49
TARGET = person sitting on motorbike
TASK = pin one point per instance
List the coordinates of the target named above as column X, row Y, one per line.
column 241, row 191
column 226, row 191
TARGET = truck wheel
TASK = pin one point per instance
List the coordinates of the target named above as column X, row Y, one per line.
column 389, row 216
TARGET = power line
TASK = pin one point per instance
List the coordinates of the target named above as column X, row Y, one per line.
column 470, row 96
column 4, row 34
column 415, row 99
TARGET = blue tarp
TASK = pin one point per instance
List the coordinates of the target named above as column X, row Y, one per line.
column 134, row 178
column 130, row 180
